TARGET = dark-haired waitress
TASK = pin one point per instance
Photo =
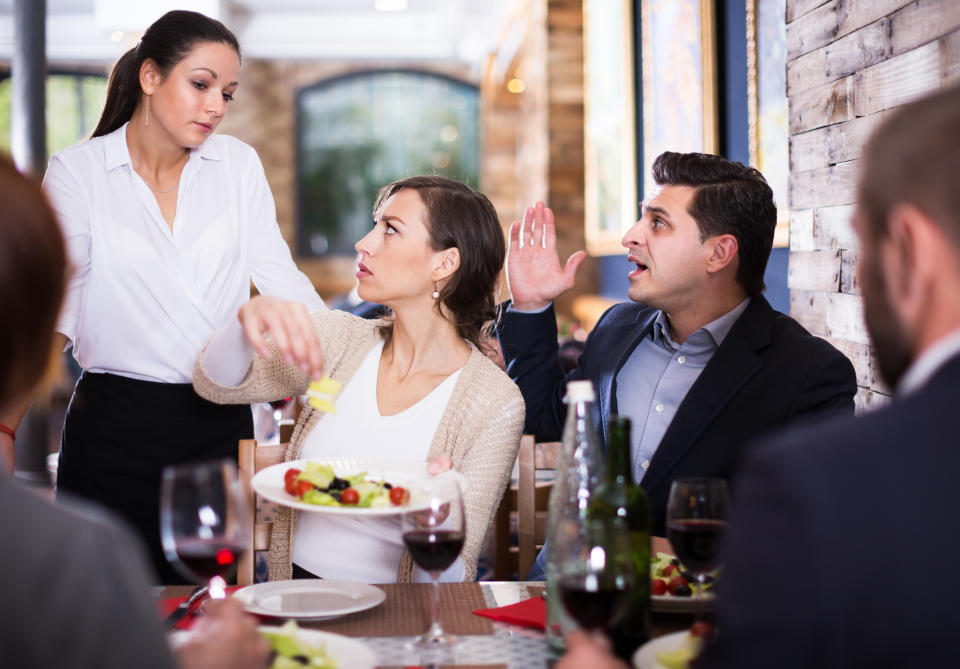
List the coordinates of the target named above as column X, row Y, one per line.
column 166, row 225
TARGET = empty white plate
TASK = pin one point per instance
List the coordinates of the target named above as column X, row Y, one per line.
column 309, row 598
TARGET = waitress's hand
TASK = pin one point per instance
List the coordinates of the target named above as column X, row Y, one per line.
column 288, row 323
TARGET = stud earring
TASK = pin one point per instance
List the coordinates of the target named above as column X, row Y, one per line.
column 436, row 291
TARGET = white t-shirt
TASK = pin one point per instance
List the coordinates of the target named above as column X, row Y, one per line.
column 143, row 299
column 367, row 550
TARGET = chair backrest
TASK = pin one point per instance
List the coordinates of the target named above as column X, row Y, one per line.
column 251, row 459
column 528, row 500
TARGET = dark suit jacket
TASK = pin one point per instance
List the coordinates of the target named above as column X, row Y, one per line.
column 844, row 543
column 768, row 372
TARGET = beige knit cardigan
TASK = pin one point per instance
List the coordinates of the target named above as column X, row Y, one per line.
column 480, row 428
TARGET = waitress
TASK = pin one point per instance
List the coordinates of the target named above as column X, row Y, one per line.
column 166, row 225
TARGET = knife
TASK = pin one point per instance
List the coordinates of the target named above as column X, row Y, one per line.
column 184, row 607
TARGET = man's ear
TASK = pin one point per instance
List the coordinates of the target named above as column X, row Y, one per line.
column 449, row 262
column 912, row 259
column 723, row 251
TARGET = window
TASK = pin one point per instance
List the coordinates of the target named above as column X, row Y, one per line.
column 359, row 132
column 74, row 103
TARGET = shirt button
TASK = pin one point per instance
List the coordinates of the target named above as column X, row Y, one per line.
column 645, row 464
column 659, row 408
column 682, row 359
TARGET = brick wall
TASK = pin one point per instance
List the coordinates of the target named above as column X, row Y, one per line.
column 849, row 62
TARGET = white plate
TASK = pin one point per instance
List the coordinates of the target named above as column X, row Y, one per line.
column 309, row 598
column 646, row 655
column 671, row 604
column 268, row 483
column 343, row 650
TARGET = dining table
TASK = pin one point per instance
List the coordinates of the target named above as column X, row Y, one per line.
column 389, row 628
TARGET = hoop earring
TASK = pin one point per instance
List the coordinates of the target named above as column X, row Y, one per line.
column 436, row 291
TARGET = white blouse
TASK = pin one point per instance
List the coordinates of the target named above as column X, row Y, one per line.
column 143, row 299
column 367, row 550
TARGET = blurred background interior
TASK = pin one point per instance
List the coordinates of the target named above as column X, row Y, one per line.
column 567, row 101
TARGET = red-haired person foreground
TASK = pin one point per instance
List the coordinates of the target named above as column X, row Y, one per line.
column 74, row 581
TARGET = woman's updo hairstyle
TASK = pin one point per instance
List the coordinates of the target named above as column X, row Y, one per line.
column 166, row 43
column 458, row 216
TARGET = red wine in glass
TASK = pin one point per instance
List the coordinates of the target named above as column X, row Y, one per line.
column 434, row 530
column 434, row 550
column 207, row 559
column 595, row 602
column 697, row 542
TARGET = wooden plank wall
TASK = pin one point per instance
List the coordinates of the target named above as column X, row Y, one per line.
column 849, row 62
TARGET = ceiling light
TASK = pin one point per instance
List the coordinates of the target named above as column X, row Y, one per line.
column 390, row 5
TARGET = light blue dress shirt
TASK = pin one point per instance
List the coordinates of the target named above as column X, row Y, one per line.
column 657, row 376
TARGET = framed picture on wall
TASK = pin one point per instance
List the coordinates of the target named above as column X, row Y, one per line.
column 610, row 162
column 679, row 79
column 767, row 104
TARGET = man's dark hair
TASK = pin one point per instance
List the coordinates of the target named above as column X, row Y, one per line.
column 914, row 158
column 730, row 199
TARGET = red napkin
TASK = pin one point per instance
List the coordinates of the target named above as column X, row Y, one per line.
column 166, row 607
column 530, row 612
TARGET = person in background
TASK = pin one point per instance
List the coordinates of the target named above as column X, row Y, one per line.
column 839, row 528
column 698, row 360
column 417, row 385
column 74, row 581
column 166, row 223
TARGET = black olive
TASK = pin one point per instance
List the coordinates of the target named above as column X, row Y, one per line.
column 682, row 591
column 335, row 494
column 339, row 484
column 302, row 659
column 386, row 485
column 708, row 579
column 675, row 562
column 687, row 576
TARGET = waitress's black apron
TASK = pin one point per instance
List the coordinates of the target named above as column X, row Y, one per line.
column 120, row 433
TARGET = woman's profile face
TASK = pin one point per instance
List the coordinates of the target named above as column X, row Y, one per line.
column 191, row 101
column 396, row 261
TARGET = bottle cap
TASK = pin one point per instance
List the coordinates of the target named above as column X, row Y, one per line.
column 580, row 391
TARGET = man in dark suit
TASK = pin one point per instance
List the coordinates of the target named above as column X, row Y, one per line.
column 844, row 535
column 698, row 360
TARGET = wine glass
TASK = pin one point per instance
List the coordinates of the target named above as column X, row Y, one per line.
column 697, row 511
column 202, row 521
column 278, row 406
column 596, row 571
column 434, row 532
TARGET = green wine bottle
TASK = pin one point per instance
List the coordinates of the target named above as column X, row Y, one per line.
column 620, row 497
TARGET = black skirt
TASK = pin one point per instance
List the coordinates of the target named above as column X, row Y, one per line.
column 120, row 433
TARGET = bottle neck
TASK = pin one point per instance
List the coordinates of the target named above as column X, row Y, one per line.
column 619, row 470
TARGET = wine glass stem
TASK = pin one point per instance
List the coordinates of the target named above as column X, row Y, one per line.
column 218, row 588
column 698, row 610
column 435, row 629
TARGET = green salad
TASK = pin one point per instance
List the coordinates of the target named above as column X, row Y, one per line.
column 292, row 652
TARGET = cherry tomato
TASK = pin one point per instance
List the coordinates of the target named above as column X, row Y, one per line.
column 303, row 487
column 668, row 570
column 349, row 496
column 675, row 583
column 658, row 587
column 701, row 629
column 399, row 495
column 290, row 480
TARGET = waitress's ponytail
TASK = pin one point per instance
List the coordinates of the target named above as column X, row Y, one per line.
column 123, row 94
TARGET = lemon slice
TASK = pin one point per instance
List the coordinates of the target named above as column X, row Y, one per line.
column 323, row 393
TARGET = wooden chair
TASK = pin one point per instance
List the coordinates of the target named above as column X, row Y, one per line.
column 528, row 501
column 251, row 459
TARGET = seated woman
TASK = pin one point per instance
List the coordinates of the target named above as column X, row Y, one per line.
column 417, row 385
